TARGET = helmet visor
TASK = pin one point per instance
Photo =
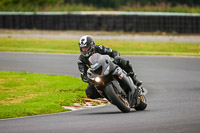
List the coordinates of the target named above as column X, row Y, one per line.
column 86, row 51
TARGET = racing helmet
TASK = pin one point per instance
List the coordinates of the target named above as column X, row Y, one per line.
column 86, row 45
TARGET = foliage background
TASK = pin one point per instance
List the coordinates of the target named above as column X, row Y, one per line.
column 88, row 5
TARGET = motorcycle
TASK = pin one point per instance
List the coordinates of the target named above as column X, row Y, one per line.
column 114, row 84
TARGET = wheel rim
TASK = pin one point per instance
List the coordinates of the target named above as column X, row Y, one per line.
column 143, row 99
column 125, row 101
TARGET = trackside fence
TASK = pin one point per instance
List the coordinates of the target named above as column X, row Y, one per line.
column 120, row 21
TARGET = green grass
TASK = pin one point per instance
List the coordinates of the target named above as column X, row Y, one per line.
column 25, row 94
column 162, row 7
column 124, row 47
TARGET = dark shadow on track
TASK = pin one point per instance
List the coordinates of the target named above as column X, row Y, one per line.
column 116, row 112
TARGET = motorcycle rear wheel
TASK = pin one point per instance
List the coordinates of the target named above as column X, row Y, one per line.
column 117, row 99
column 142, row 105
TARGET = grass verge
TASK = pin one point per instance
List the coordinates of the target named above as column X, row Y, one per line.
column 124, row 47
column 25, row 94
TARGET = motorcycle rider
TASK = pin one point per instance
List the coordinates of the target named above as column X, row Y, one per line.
column 87, row 48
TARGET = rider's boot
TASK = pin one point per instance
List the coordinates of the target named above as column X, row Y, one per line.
column 127, row 66
column 135, row 81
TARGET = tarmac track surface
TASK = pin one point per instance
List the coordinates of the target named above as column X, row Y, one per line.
column 173, row 85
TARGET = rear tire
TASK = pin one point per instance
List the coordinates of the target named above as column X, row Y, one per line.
column 116, row 98
column 142, row 105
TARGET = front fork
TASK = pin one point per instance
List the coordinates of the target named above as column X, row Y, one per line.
column 131, row 90
column 100, row 88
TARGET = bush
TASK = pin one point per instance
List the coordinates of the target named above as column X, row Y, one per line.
column 28, row 2
column 46, row 5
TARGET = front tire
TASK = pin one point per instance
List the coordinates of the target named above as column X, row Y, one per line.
column 117, row 99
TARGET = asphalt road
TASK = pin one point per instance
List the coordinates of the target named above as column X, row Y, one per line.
column 99, row 36
column 173, row 85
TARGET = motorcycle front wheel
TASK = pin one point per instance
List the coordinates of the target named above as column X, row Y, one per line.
column 117, row 99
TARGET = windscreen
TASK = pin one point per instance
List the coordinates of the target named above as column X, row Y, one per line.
column 94, row 58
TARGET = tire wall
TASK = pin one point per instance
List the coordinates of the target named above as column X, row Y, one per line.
column 127, row 23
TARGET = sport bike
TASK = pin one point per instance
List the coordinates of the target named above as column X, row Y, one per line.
column 114, row 84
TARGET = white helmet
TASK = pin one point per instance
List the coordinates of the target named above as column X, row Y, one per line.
column 88, row 43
